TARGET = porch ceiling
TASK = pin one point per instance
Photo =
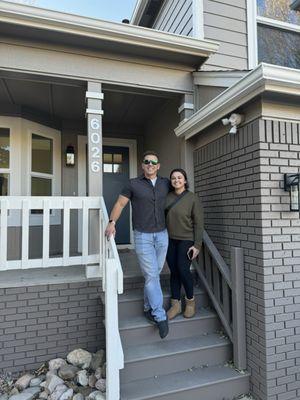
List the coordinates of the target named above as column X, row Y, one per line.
column 56, row 101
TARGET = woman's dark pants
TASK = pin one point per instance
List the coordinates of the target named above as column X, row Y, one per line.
column 179, row 265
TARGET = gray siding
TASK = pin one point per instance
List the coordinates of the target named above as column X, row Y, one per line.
column 175, row 17
column 240, row 181
column 225, row 21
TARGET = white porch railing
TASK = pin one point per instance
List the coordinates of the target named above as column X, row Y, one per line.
column 105, row 257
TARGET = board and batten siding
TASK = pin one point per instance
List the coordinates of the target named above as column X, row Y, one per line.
column 175, row 17
column 225, row 21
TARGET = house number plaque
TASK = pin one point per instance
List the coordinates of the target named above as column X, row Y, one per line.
column 95, row 137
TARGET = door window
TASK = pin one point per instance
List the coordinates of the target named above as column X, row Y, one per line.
column 41, row 165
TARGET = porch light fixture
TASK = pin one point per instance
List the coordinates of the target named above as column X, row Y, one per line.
column 291, row 184
column 70, row 156
column 234, row 120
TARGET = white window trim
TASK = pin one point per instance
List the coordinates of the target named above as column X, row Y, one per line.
column 278, row 24
column 20, row 163
column 252, row 21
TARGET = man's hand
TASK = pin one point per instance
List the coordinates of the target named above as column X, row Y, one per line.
column 110, row 230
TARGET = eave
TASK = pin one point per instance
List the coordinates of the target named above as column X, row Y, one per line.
column 68, row 29
column 265, row 78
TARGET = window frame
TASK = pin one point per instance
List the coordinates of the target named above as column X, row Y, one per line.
column 253, row 19
column 21, row 131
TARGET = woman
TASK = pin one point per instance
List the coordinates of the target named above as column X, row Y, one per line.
column 184, row 217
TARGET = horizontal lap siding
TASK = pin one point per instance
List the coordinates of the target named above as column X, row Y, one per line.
column 225, row 21
column 175, row 17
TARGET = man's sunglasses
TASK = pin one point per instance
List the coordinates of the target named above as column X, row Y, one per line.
column 147, row 162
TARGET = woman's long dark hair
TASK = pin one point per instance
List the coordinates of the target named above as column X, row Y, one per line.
column 181, row 171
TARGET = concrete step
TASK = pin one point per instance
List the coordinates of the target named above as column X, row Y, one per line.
column 219, row 382
column 138, row 330
column 146, row 360
column 131, row 302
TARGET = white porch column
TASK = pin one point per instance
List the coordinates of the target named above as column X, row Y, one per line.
column 186, row 108
column 94, row 112
column 187, row 161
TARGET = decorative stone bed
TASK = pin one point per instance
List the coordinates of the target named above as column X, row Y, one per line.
column 80, row 377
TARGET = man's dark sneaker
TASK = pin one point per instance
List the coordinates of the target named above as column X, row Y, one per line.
column 163, row 328
column 148, row 315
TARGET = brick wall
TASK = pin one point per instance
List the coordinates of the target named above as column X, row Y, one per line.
column 38, row 323
column 240, row 180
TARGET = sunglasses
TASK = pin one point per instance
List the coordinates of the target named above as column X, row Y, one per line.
column 147, row 162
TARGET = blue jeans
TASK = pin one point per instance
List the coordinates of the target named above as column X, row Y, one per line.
column 151, row 250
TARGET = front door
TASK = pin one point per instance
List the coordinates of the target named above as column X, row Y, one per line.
column 115, row 176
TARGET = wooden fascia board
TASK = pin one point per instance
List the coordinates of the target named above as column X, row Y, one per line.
column 264, row 78
column 126, row 34
column 218, row 78
column 138, row 11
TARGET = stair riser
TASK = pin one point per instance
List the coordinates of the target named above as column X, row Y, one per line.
column 181, row 329
column 227, row 390
column 128, row 309
column 175, row 362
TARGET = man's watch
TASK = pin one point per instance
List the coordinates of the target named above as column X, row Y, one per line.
column 111, row 221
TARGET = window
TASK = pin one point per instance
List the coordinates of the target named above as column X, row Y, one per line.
column 4, row 161
column 112, row 163
column 41, row 165
column 30, row 163
column 278, row 33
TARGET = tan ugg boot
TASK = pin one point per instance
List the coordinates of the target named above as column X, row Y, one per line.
column 190, row 308
column 175, row 309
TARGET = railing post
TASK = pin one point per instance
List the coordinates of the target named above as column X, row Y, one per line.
column 238, row 308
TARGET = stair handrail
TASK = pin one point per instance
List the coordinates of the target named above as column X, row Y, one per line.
column 112, row 285
column 225, row 287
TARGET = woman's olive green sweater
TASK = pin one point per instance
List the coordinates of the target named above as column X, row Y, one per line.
column 185, row 218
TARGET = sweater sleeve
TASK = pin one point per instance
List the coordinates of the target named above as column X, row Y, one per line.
column 198, row 221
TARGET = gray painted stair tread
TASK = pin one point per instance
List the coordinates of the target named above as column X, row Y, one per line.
column 175, row 346
column 179, row 381
column 140, row 321
column 136, row 294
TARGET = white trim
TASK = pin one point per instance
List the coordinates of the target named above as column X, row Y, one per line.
column 218, row 78
column 94, row 111
column 82, row 163
column 198, row 19
column 138, row 11
column 252, row 34
column 185, row 106
column 278, row 24
column 94, row 95
column 143, row 39
column 265, row 77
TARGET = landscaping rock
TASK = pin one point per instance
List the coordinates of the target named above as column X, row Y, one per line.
column 97, row 360
column 68, row 372
column 43, row 395
column 78, row 396
column 80, row 358
column 58, row 392
column 82, row 378
column 101, row 385
column 67, row 395
column 96, row 395
column 92, row 380
column 98, row 373
column 56, row 363
column 53, row 382
column 23, row 382
column 36, row 381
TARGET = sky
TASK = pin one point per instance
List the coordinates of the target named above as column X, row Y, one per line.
column 112, row 10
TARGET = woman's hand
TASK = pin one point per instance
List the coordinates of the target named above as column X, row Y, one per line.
column 194, row 251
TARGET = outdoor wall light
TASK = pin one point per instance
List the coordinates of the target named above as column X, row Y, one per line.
column 234, row 120
column 291, row 184
column 70, row 156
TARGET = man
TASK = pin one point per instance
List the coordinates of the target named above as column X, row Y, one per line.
column 147, row 194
